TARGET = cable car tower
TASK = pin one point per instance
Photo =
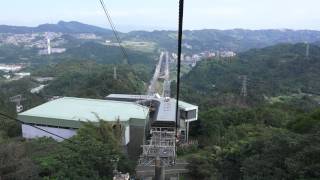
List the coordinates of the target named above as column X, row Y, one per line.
column 160, row 150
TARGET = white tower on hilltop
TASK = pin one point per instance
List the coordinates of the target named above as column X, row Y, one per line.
column 49, row 45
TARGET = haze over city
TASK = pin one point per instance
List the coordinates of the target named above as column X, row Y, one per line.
column 157, row 15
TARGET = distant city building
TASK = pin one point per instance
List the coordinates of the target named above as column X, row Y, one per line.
column 227, row 54
column 22, row 74
column 37, row 90
column 52, row 51
column 186, row 45
column 11, row 67
column 6, row 76
column 43, row 79
column 87, row 36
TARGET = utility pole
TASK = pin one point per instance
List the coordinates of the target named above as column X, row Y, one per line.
column 159, row 169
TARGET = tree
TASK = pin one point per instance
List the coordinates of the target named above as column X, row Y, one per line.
column 94, row 155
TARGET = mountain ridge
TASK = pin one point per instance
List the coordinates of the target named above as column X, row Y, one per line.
column 237, row 40
column 61, row 26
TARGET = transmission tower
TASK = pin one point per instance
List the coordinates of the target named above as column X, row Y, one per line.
column 244, row 92
column 115, row 77
column 307, row 50
column 17, row 99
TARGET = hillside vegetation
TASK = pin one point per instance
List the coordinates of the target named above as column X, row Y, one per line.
column 273, row 133
column 281, row 70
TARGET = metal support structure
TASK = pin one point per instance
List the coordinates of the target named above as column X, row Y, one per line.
column 187, row 131
column 160, row 150
column 307, row 50
column 244, row 92
column 17, row 99
column 162, row 144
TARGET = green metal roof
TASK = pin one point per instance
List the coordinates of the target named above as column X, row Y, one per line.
column 68, row 112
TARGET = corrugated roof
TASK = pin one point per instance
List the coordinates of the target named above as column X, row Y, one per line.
column 167, row 110
column 69, row 108
column 129, row 96
column 183, row 105
column 186, row 106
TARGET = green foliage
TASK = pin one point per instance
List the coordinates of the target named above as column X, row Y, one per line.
column 88, row 79
column 94, row 155
column 15, row 54
column 106, row 54
column 15, row 161
column 309, row 123
column 256, row 144
column 273, row 71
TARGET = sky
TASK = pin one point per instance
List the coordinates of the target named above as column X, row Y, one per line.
column 162, row 14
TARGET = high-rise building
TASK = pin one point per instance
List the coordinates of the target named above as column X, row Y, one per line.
column 49, row 45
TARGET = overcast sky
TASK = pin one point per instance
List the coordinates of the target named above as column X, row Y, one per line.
column 162, row 14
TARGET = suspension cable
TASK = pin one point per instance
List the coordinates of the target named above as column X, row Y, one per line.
column 115, row 32
column 181, row 8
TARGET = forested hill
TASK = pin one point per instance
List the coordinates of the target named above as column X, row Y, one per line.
column 61, row 26
column 281, row 70
column 88, row 79
column 107, row 54
column 234, row 39
column 194, row 40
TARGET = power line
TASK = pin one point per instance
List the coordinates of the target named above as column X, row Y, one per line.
column 181, row 7
column 115, row 32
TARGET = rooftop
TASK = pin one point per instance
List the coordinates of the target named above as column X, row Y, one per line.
column 186, row 106
column 167, row 110
column 79, row 109
column 167, row 107
column 182, row 105
column 129, row 96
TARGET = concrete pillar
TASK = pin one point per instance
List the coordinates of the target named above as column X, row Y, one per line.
column 159, row 169
column 187, row 133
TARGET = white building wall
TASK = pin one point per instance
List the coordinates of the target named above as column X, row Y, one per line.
column 30, row 132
